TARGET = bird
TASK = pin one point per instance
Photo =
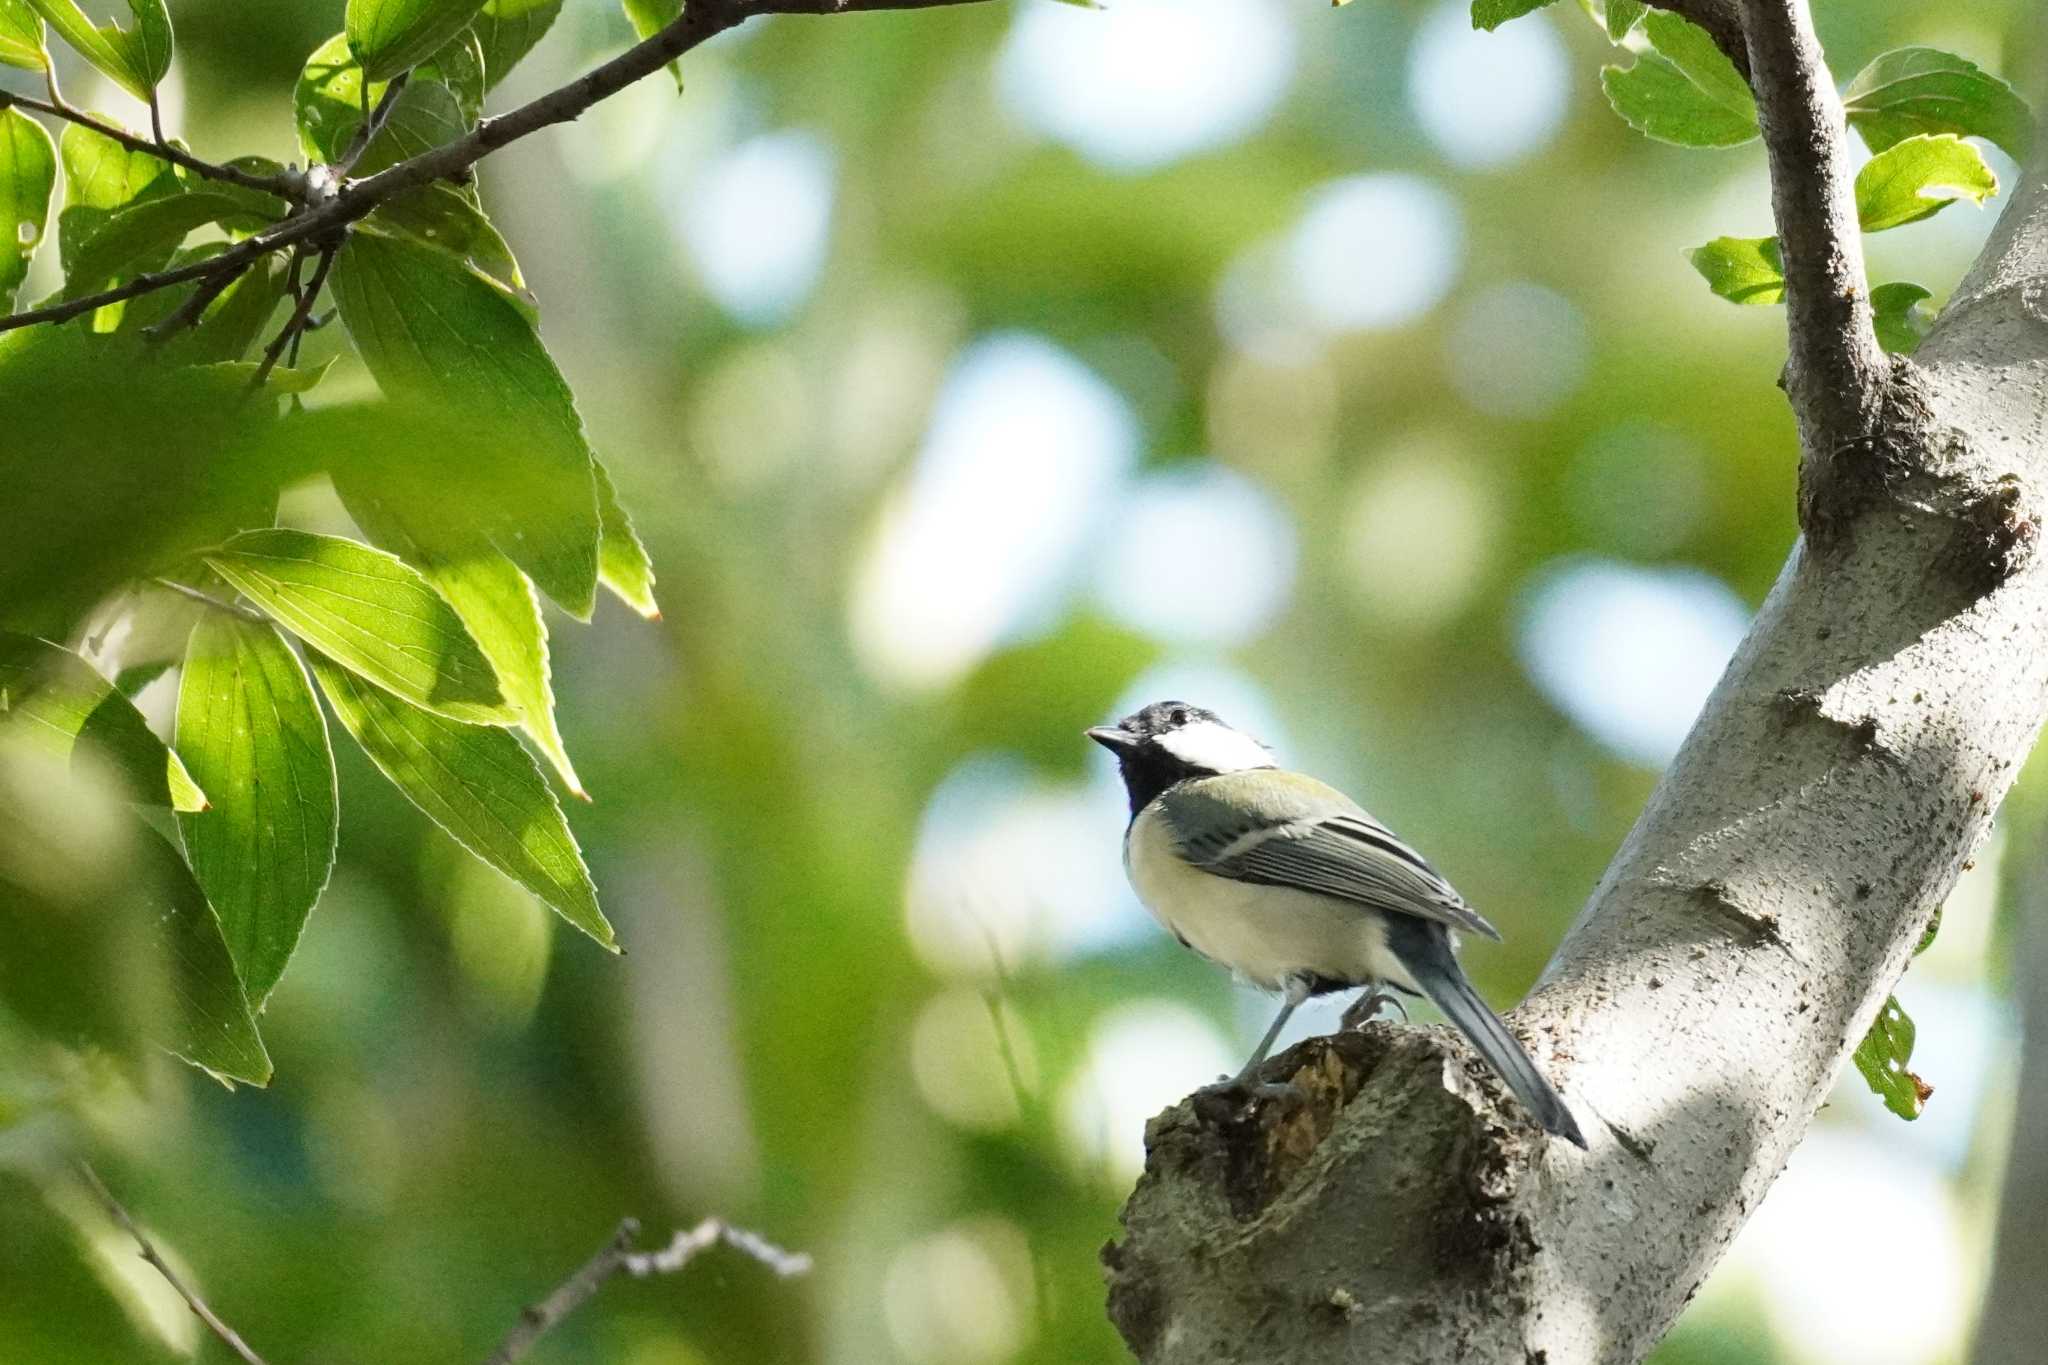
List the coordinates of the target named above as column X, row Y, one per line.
column 1294, row 887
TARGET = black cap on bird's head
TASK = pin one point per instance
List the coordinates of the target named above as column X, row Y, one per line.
column 1172, row 741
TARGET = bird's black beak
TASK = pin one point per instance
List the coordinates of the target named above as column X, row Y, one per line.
column 1117, row 741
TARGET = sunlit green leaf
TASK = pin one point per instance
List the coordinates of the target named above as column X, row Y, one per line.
column 1883, row 1058
column 102, row 179
column 432, row 329
column 651, row 17
column 1742, row 269
column 371, row 611
column 390, row 36
column 1491, row 14
column 443, row 216
column 1918, row 177
column 21, row 37
column 52, row 698
column 412, row 517
column 476, row 783
column 441, row 101
column 509, row 29
column 1902, row 324
column 1693, row 51
column 1922, row 90
column 624, row 565
column 28, row 174
column 250, row 729
column 214, row 1029
column 1660, row 99
column 1622, row 16
column 134, row 58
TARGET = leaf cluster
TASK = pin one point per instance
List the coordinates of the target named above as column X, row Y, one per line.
column 155, row 438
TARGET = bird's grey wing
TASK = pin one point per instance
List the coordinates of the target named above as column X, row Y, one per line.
column 1348, row 855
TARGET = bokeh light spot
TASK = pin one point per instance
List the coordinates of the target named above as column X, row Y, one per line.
column 757, row 222
column 1418, row 535
column 1487, row 99
column 1375, row 251
column 1517, row 350
column 1629, row 653
column 1141, row 1058
column 1143, row 83
column 1198, row 554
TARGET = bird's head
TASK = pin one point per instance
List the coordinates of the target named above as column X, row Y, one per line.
column 1171, row 741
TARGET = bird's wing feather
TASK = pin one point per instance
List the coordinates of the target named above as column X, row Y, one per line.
column 1289, row 830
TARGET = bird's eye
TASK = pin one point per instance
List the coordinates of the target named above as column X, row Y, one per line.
column 1179, row 717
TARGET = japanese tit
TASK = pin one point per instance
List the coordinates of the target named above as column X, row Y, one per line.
column 1290, row 884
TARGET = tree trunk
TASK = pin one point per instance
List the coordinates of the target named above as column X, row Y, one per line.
column 1742, row 942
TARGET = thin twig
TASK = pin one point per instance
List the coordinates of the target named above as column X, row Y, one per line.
column 366, row 131
column 302, row 310
column 358, row 198
column 286, row 187
column 217, row 603
column 228, row 1336
column 619, row 1257
column 1835, row 371
column 191, row 310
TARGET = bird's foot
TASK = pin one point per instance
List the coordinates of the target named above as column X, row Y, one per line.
column 1249, row 1088
column 1367, row 1008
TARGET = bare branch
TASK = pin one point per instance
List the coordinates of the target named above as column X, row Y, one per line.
column 228, row 1336
column 1836, row 372
column 618, row 1257
column 302, row 310
column 1722, row 22
column 452, row 160
column 286, row 187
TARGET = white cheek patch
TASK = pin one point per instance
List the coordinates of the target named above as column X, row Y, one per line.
column 1218, row 748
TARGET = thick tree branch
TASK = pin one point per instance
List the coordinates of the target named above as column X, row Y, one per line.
column 1707, row 999
column 1836, row 372
column 288, row 187
column 618, row 1257
column 228, row 1336
column 330, row 217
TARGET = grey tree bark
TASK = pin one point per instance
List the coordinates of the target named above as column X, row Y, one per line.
column 1751, row 925
column 2015, row 1320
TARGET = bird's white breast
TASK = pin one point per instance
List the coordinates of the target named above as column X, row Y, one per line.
column 1263, row 933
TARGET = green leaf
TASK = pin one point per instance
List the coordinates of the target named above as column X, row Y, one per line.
column 1491, row 14
column 1919, row 177
column 411, row 517
column 652, row 16
column 1882, row 1057
column 1688, row 47
column 250, row 729
column 1742, row 269
column 1691, row 95
column 21, row 37
column 1622, row 16
column 390, row 36
column 477, row 784
column 133, row 58
column 142, row 236
column 624, row 565
column 101, row 179
column 434, row 330
column 447, row 218
column 508, row 30
column 28, row 175
column 1902, row 324
column 212, row 1027
column 60, row 703
column 1922, row 90
column 442, row 100
column 371, row 611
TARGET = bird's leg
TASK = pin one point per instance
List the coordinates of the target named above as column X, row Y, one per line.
column 1296, row 991
column 1366, row 1007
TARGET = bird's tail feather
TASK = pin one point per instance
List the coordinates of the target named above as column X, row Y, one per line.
column 1429, row 959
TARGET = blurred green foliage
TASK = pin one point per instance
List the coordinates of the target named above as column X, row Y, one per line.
column 466, row 1100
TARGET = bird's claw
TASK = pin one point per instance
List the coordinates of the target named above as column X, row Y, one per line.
column 1367, row 1007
